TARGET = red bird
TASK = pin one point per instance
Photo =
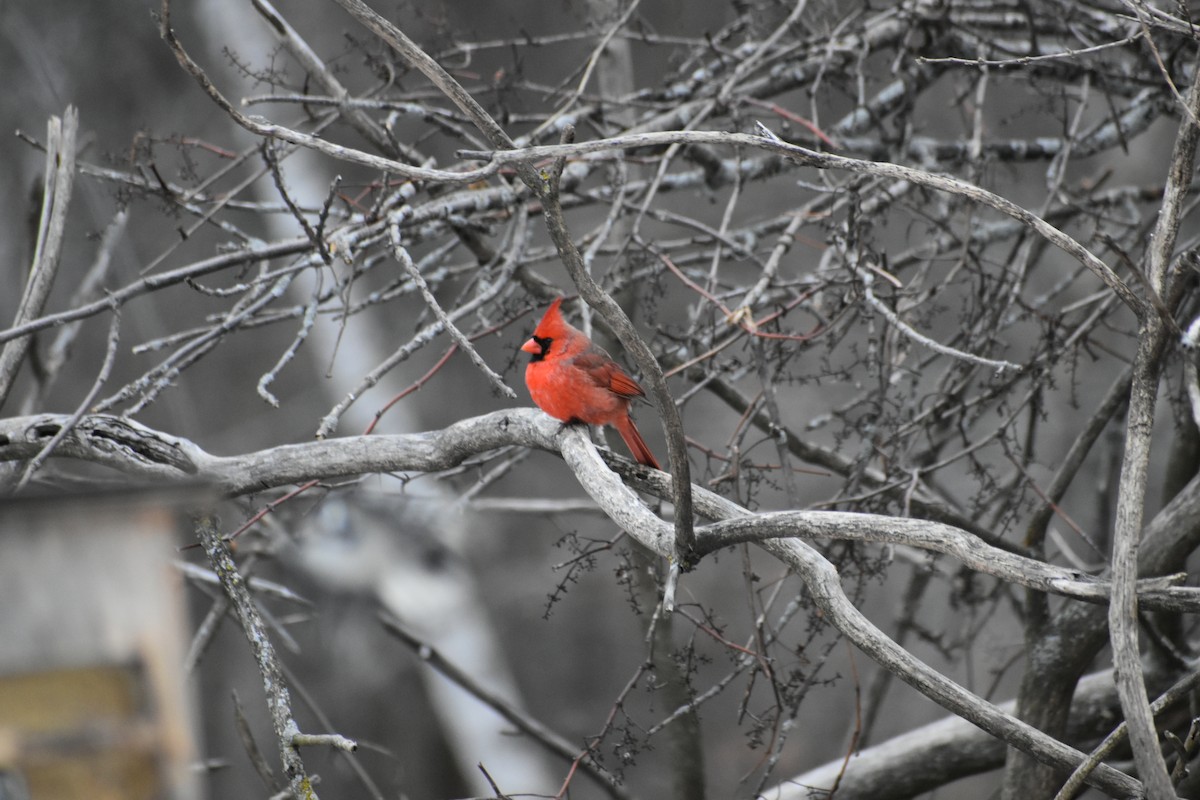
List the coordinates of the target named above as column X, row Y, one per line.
column 573, row 380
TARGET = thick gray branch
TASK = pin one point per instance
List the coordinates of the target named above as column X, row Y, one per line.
column 1157, row 593
column 155, row 456
column 926, row 758
column 151, row 455
column 1131, row 498
column 145, row 452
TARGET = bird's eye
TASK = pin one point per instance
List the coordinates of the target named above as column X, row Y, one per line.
column 543, row 342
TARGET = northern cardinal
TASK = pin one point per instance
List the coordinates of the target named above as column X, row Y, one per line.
column 573, row 380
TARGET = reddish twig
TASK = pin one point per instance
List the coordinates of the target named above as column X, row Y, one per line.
column 792, row 116
column 857, row 723
column 740, row 316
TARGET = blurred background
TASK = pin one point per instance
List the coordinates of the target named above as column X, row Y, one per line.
column 503, row 566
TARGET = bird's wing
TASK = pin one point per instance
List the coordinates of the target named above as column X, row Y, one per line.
column 622, row 384
column 600, row 367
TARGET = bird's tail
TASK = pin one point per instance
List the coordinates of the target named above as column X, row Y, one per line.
column 634, row 441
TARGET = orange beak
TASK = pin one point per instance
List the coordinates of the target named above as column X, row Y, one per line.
column 531, row 347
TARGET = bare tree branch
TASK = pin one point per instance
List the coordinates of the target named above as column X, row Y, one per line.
column 442, row 449
column 811, row 158
column 898, row 268
column 1131, row 498
column 524, row 722
column 278, row 700
column 56, row 199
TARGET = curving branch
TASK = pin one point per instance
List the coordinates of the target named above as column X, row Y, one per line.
column 841, row 286
column 546, row 186
column 146, row 453
column 151, row 455
column 933, row 755
column 1163, row 593
column 1153, row 336
column 260, row 127
column 827, row 161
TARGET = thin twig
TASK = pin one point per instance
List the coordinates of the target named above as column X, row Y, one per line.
column 892, row 317
column 110, row 356
column 401, row 254
column 515, row 249
column 1181, row 691
column 306, row 325
column 827, row 161
column 89, row 287
column 279, row 702
column 260, row 127
column 545, row 737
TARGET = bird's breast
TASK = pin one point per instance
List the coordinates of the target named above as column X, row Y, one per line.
column 568, row 394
